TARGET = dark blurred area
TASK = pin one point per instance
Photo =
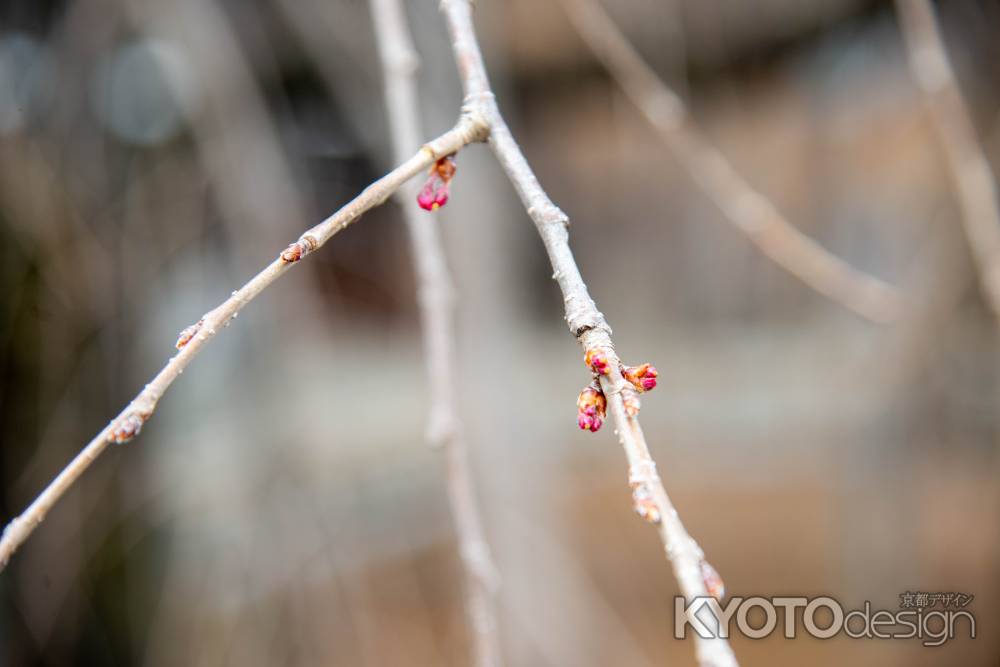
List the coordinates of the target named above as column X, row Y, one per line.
column 281, row 507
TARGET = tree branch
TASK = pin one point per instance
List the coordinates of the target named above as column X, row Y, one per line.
column 975, row 185
column 436, row 296
column 128, row 423
column 585, row 321
column 746, row 209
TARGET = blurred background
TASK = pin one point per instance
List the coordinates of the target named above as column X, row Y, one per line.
column 281, row 507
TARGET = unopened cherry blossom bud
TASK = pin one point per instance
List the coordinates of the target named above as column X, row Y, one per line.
column 434, row 194
column 642, row 377
column 591, row 408
column 597, row 360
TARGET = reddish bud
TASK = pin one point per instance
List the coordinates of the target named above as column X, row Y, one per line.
column 127, row 428
column 597, row 361
column 299, row 249
column 185, row 336
column 591, row 408
column 292, row 253
column 643, row 377
column 434, row 194
column 713, row 582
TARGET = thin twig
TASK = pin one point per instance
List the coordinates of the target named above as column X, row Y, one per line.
column 973, row 179
column 436, row 296
column 747, row 210
column 585, row 321
column 129, row 422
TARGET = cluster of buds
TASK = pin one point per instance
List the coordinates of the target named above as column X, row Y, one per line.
column 591, row 408
column 643, row 503
column 642, row 377
column 713, row 582
column 127, row 428
column 185, row 336
column 597, row 360
column 434, row 194
column 299, row 249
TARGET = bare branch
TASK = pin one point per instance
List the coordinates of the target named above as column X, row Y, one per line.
column 585, row 321
column 747, row 210
column 128, row 423
column 436, row 297
column 973, row 179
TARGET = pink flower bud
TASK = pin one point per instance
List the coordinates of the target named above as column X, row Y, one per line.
column 434, row 194
column 591, row 408
column 597, row 360
column 643, row 377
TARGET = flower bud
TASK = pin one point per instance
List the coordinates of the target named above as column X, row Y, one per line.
column 591, row 408
column 434, row 194
column 643, row 377
column 597, row 361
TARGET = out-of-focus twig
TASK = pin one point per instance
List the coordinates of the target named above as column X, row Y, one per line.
column 129, row 422
column 973, row 179
column 584, row 319
column 747, row 210
column 436, row 296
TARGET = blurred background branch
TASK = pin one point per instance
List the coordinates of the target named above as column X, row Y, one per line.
column 749, row 211
column 974, row 183
column 435, row 294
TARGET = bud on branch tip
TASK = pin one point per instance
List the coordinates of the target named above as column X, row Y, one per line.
column 434, row 194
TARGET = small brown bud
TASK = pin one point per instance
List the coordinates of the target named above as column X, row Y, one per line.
column 185, row 336
column 127, row 428
column 292, row 253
